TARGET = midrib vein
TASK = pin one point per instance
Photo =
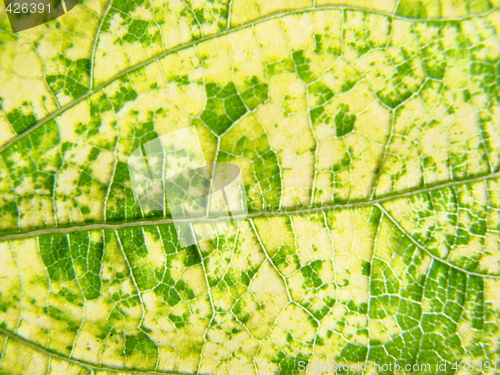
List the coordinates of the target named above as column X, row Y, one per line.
column 284, row 212
column 192, row 43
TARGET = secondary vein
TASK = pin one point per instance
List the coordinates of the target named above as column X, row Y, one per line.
column 192, row 43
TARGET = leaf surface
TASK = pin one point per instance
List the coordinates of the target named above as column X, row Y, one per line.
column 367, row 135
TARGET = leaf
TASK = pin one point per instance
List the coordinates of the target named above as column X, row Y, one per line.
column 367, row 136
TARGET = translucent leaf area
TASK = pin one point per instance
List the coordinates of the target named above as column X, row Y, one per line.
column 367, row 134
